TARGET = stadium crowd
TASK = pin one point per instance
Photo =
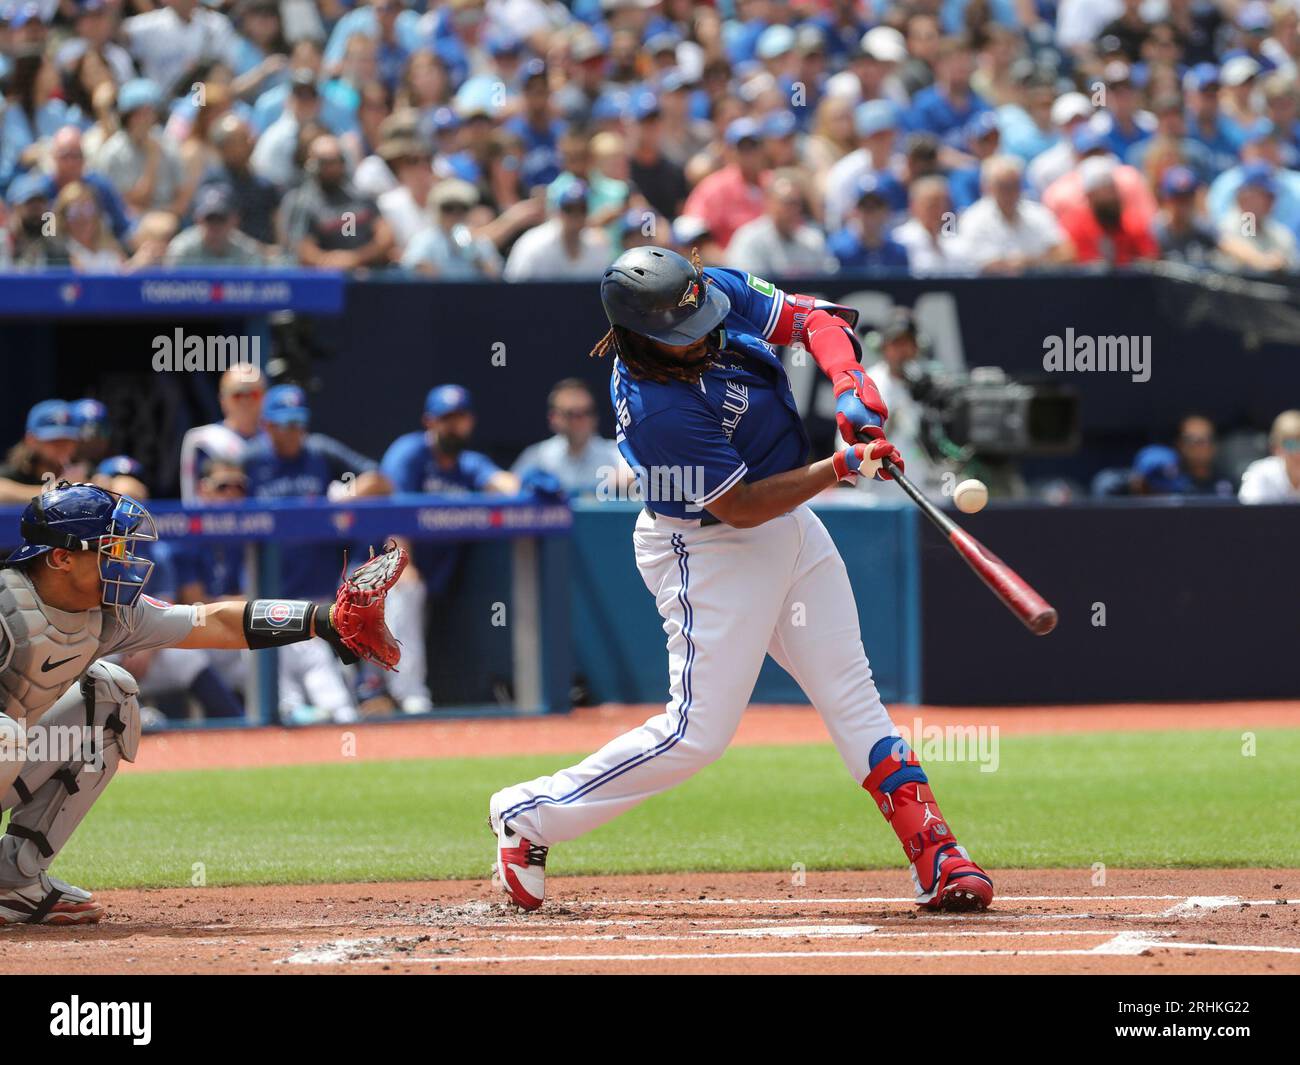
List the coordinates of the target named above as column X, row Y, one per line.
column 537, row 139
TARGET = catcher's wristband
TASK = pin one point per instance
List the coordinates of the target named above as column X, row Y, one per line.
column 275, row 622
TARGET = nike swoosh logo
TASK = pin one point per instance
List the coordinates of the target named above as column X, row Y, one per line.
column 55, row 665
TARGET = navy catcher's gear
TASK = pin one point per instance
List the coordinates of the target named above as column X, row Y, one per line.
column 85, row 517
column 659, row 294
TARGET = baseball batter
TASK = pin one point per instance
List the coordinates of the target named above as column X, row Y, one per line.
column 739, row 566
column 71, row 594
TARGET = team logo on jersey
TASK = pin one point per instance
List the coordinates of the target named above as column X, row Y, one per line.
column 691, row 297
column 279, row 614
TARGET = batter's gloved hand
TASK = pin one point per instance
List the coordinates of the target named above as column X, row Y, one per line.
column 356, row 620
column 866, row 460
column 859, row 410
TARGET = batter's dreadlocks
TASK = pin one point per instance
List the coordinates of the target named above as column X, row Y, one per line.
column 642, row 356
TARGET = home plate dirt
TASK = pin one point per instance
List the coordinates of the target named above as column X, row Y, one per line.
column 1049, row 921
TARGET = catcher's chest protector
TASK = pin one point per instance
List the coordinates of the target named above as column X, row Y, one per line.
column 42, row 650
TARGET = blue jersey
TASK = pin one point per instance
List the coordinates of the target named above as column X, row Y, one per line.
column 412, row 466
column 691, row 443
column 217, row 568
column 311, row 570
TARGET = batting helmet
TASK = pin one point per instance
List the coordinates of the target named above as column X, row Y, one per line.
column 85, row 517
column 659, row 294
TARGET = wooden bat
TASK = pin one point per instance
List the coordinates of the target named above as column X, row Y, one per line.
column 1037, row 613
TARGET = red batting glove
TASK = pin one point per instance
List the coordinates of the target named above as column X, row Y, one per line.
column 868, row 458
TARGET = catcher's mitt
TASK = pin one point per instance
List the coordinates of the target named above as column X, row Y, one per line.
column 357, row 616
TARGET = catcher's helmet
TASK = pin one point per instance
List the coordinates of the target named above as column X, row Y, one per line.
column 659, row 294
column 85, row 517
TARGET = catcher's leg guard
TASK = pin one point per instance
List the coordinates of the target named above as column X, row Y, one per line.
column 52, row 794
column 943, row 873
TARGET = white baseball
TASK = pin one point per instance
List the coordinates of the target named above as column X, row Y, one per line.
column 971, row 496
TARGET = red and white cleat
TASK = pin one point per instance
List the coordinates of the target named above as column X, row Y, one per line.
column 520, row 866
column 49, row 901
column 961, row 886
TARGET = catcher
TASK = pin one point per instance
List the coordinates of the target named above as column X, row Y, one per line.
column 70, row 595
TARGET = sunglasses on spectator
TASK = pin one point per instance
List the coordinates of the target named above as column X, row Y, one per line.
column 229, row 486
column 573, row 413
column 1291, row 444
column 454, row 208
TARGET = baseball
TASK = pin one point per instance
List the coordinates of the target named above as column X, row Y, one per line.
column 970, row 496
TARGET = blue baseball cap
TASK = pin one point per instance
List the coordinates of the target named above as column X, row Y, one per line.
column 447, row 399
column 980, row 126
column 120, row 466
column 136, row 93
column 643, row 105
column 25, row 13
column 775, row 41
column 90, row 416
column 1157, row 465
column 1178, row 181
column 52, row 419
column 532, row 68
column 1201, row 77
column 1254, row 17
column 503, row 42
column 445, row 119
column 874, row 116
column 286, row 405
column 573, row 194
column 1088, row 138
column 780, row 124
column 743, row 129
column 1258, row 175
column 880, row 186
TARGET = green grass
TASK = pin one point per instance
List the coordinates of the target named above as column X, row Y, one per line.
column 1132, row 799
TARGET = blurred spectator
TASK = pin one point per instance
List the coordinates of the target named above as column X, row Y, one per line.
column 253, row 198
column 273, row 155
column 864, row 244
column 1197, row 457
column 1259, row 155
column 930, row 234
column 1275, row 479
column 1181, row 234
column 1253, row 239
column 732, row 196
column 565, row 246
column 890, row 359
column 1205, row 122
column 33, row 107
column 90, row 242
column 90, row 417
column 606, row 194
column 1122, row 123
column 876, row 125
column 47, row 448
column 150, row 239
column 331, row 225
column 1070, row 112
column 781, row 242
column 405, row 207
column 172, row 38
column 660, row 180
column 1171, row 134
column 214, row 239
column 69, row 164
column 580, row 460
column 949, row 103
column 240, row 393
column 445, row 247
column 142, row 164
column 94, row 25
column 1004, row 233
column 1101, row 226
column 1156, row 472
column 33, row 231
column 981, row 140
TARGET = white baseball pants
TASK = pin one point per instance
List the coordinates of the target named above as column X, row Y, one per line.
column 728, row 597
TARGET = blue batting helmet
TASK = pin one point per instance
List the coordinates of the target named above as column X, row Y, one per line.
column 660, row 294
column 85, row 517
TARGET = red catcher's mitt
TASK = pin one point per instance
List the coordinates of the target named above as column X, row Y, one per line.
column 358, row 612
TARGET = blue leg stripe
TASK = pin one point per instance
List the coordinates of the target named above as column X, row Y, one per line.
column 688, row 617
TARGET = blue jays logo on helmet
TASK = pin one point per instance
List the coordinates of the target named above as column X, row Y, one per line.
column 85, row 517
column 691, row 298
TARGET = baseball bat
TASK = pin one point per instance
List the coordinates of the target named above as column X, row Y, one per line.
column 1037, row 614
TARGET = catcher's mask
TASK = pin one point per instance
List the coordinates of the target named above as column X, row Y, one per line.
column 85, row 517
